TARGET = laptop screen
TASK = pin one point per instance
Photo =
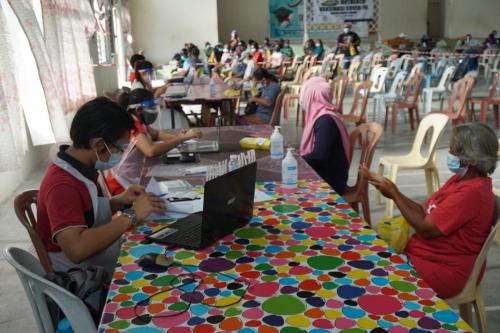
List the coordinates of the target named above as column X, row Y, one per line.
column 228, row 201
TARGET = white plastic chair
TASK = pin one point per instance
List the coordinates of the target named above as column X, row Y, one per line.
column 472, row 294
column 394, row 92
column 440, row 89
column 414, row 159
column 378, row 77
column 486, row 60
column 365, row 67
column 394, row 68
column 406, row 60
column 31, row 274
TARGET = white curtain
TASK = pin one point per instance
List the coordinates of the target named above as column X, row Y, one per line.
column 13, row 139
column 62, row 58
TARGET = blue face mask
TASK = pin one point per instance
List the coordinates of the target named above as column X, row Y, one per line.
column 110, row 163
column 454, row 165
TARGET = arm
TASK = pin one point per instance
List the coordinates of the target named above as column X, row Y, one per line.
column 80, row 243
column 260, row 101
column 412, row 211
column 151, row 149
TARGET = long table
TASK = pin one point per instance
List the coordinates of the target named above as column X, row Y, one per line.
column 305, row 262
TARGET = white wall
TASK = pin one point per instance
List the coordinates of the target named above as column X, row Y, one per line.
column 477, row 17
column 249, row 18
column 161, row 27
column 408, row 16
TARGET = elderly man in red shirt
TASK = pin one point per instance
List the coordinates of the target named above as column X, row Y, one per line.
column 453, row 224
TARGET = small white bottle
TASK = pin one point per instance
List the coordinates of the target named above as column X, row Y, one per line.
column 289, row 171
column 277, row 144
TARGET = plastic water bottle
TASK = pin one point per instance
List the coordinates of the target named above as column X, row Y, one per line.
column 64, row 326
column 277, row 144
column 289, row 171
column 212, row 87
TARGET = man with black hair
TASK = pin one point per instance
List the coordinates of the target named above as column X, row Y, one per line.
column 74, row 218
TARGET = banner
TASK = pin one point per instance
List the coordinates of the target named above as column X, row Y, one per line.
column 325, row 18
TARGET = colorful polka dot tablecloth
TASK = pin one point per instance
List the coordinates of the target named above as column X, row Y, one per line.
column 306, row 262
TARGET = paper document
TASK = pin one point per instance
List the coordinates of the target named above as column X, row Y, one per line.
column 261, row 196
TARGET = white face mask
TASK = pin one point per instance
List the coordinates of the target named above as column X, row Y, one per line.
column 253, row 50
column 346, row 30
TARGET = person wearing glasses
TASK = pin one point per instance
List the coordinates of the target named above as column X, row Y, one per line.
column 74, row 218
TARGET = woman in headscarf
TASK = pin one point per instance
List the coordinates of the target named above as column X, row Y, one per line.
column 325, row 141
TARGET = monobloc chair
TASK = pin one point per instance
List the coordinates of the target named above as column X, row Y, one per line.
column 361, row 93
column 380, row 100
column 472, row 294
column 276, row 116
column 339, row 89
column 440, row 89
column 23, row 207
column 457, row 105
column 409, row 102
column 37, row 288
column 492, row 99
column 414, row 159
column 367, row 135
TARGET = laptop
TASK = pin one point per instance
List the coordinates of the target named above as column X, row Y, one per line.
column 202, row 146
column 227, row 206
column 176, row 91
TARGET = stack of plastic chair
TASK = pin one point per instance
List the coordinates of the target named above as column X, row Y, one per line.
column 414, row 159
column 380, row 100
column 440, row 89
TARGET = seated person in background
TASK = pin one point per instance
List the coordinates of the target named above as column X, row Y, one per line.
column 145, row 141
column 287, row 51
column 309, row 47
column 493, row 40
column 276, row 59
column 319, row 50
column 190, row 66
column 262, row 104
column 133, row 60
column 453, row 224
column 258, row 55
column 73, row 216
column 325, row 141
column 143, row 71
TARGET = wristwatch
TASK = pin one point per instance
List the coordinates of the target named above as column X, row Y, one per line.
column 130, row 213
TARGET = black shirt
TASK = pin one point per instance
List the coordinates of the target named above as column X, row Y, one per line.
column 348, row 38
column 328, row 158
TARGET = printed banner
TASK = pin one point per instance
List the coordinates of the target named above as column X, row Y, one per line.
column 325, row 19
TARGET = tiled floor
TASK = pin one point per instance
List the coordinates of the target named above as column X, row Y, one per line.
column 15, row 312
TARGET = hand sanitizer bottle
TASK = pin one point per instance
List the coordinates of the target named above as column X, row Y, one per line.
column 289, row 171
column 277, row 144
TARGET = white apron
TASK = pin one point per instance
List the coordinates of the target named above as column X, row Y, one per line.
column 108, row 257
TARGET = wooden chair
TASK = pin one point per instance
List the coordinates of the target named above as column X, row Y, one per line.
column 353, row 116
column 472, row 294
column 23, row 208
column 367, row 135
column 276, row 116
column 459, row 94
column 339, row 89
column 493, row 99
column 409, row 102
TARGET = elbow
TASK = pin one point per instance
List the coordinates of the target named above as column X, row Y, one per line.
column 150, row 153
column 76, row 255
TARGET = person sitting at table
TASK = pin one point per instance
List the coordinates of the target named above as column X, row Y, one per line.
column 258, row 55
column 325, row 141
column 143, row 71
column 144, row 141
column 453, row 224
column 133, row 60
column 260, row 107
column 73, row 216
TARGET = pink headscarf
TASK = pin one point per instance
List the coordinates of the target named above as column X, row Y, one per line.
column 316, row 97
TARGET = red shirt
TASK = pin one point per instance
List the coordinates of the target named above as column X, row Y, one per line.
column 463, row 212
column 258, row 58
column 64, row 201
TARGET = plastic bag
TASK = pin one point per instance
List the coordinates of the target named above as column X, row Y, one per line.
column 395, row 231
column 255, row 143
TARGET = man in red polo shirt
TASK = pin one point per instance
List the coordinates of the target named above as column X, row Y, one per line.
column 73, row 217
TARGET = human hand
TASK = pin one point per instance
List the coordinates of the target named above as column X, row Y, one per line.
column 130, row 195
column 191, row 134
column 147, row 204
column 384, row 185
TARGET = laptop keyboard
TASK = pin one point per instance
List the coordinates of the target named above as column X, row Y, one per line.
column 187, row 236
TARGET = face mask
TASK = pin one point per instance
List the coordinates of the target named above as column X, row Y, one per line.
column 110, row 163
column 318, row 45
column 454, row 165
column 253, row 50
column 346, row 30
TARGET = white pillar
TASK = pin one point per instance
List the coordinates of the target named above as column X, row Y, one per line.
column 306, row 35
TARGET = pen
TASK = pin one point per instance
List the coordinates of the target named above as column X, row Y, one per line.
column 161, row 195
column 181, row 199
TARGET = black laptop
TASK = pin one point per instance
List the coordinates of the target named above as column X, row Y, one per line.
column 228, row 205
